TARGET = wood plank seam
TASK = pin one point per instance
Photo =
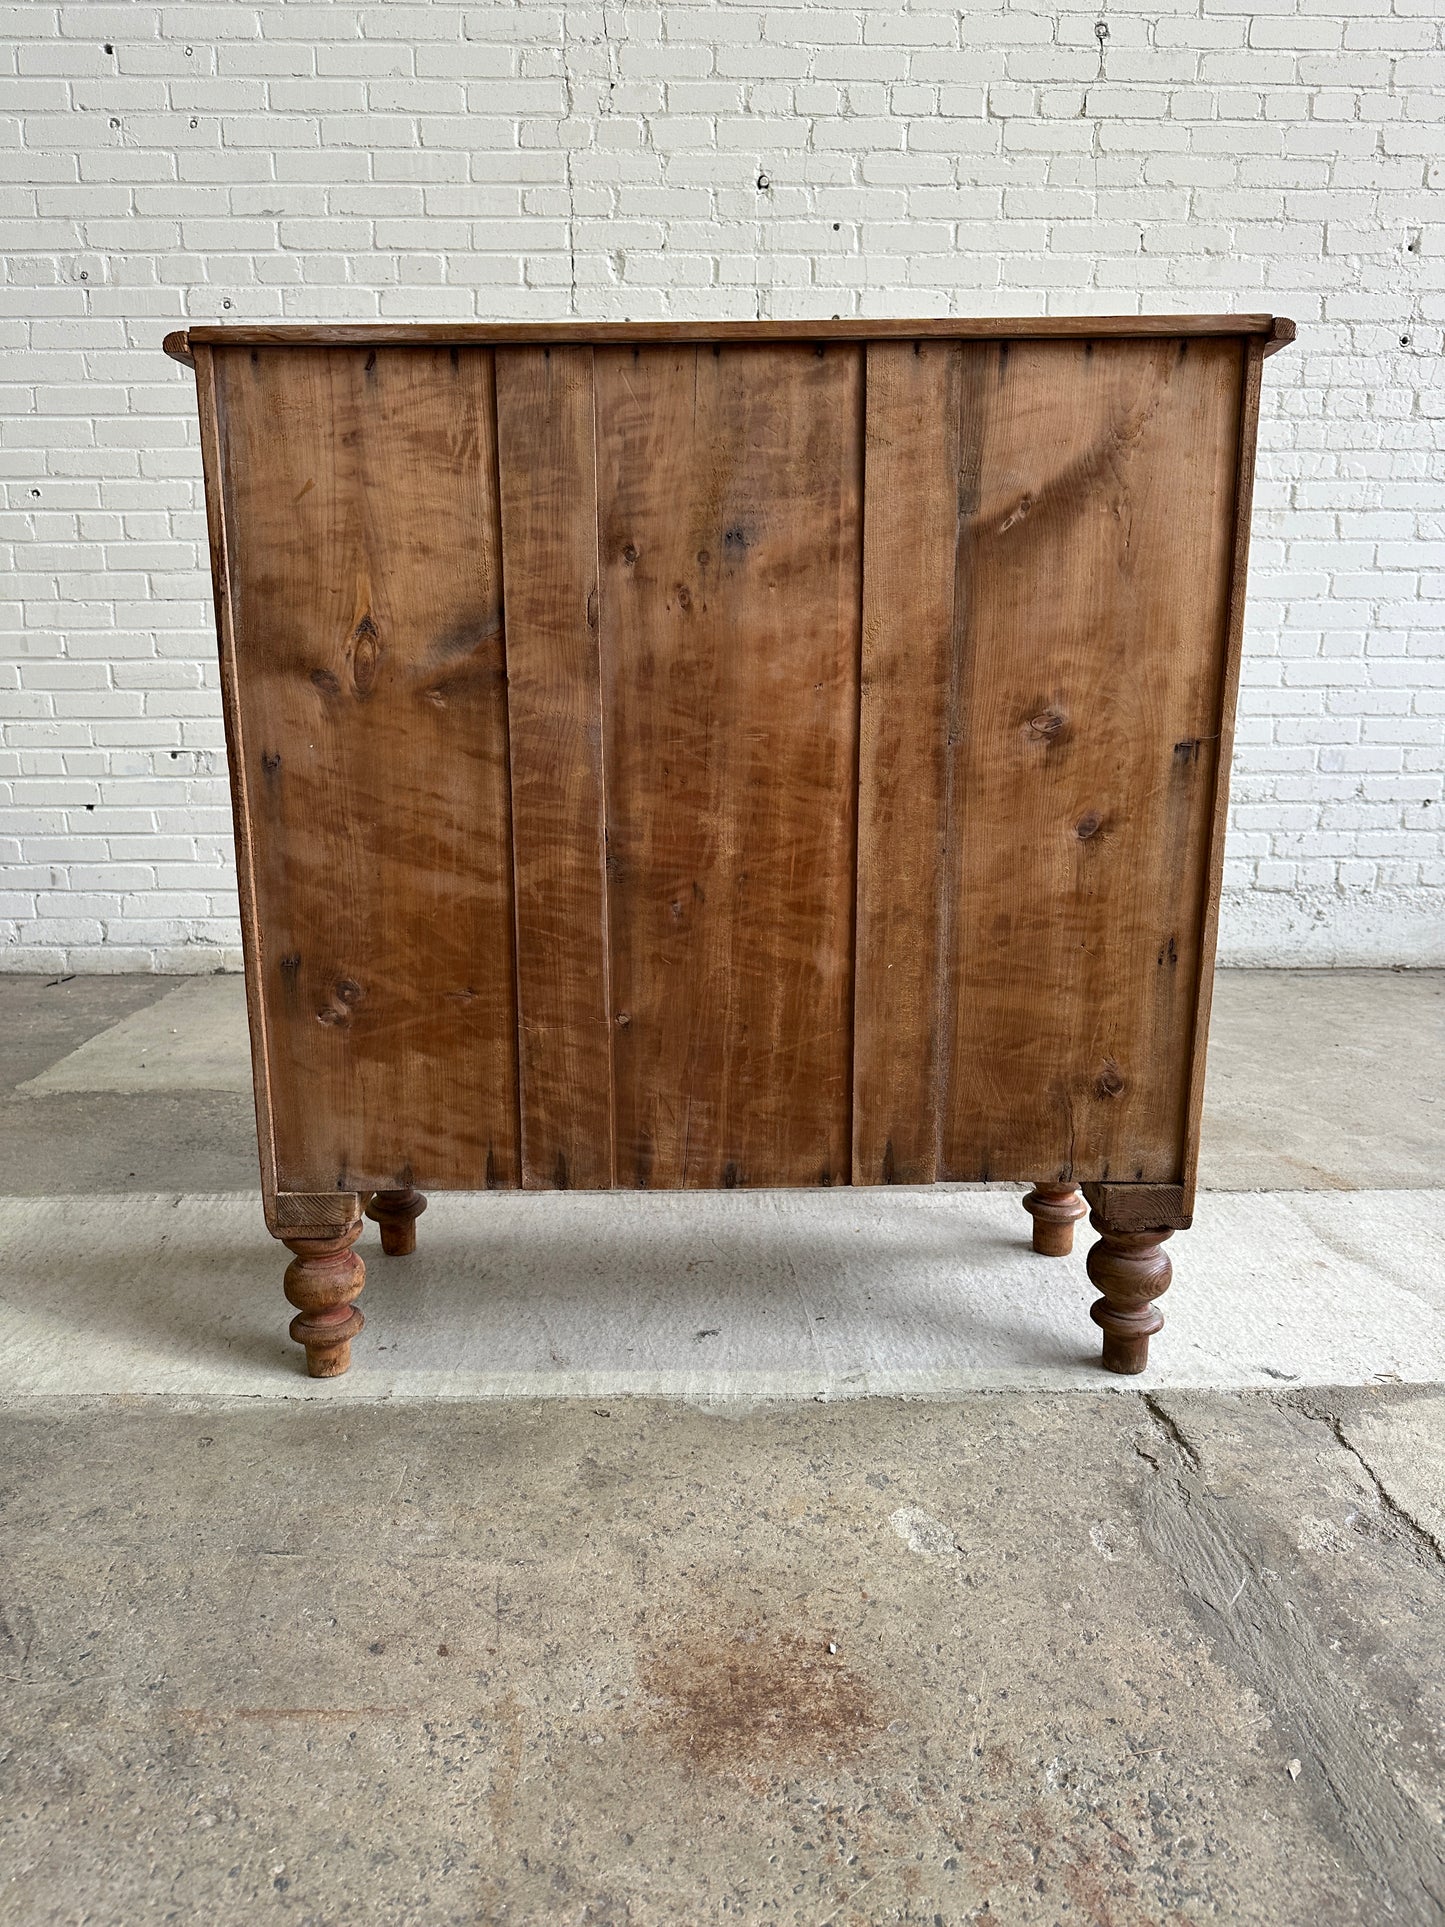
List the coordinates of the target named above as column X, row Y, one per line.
column 507, row 748
column 850, row 1151
column 599, row 636
column 965, row 498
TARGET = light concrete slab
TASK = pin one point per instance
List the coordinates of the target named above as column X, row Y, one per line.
column 713, row 1296
column 192, row 1039
column 1325, row 1080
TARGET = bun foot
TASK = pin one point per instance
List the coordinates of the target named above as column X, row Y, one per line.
column 1131, row 1271
column 397, row 1212
column 1055, row 1210
column 321, row 1281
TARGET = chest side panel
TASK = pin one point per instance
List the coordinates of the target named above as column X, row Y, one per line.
column 360, row 503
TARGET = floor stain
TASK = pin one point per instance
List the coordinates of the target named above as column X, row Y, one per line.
column 759, row 1697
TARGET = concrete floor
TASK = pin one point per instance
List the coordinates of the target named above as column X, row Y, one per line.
column 1107, row 1654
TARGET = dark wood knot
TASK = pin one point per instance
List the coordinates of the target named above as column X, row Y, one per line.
column 365, row 658
column 1110, row 1080
column 1089, row 824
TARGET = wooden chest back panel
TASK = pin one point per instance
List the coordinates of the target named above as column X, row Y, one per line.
column 851, row 738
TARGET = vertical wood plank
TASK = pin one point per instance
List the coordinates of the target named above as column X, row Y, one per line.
column 1097, row 570
column 910, row 541
column 362, row 545
column 549, row 546
column 729, row 499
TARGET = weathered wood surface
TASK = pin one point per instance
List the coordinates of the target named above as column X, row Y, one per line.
column 852, row 739
column 546, row 439
column 908, row 701
column 365, row 588
column 729, row 494
column 1097, row 562
column 1046, row 615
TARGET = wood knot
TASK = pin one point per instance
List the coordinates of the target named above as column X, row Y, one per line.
column 1089, row 824
column 271, row 761
column 328, row 683
column 344, row 999
column 623, row 1020
column 1110, row 1080
column 1048, row 725
column 629, row 554
column 365, row 657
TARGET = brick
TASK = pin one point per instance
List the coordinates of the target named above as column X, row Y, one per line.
column 360, row 159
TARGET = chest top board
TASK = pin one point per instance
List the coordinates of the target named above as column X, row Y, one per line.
column 740, row 754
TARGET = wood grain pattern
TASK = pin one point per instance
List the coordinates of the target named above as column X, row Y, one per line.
column 1097, row 563
column 360, row 507
column 1227, row 702
column 908, row 698
column 549, row 538
column 729, row 496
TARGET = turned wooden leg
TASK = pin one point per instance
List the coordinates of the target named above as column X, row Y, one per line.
column 397, row 1212
column 1131, row 1271
column 321, row 1281
column 1055, row 1210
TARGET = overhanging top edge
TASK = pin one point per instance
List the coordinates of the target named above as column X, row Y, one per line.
column 585, row 333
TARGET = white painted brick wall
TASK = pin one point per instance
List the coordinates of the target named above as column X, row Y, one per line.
column 280, row 159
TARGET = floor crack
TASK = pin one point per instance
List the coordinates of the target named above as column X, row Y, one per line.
column 1423, row 1540
column 1167, row 1423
